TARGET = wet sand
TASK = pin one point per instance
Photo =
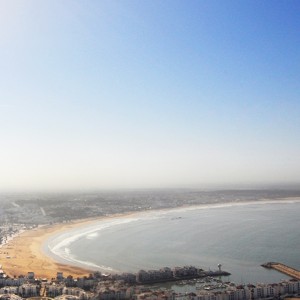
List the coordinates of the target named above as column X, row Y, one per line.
column 24, row 253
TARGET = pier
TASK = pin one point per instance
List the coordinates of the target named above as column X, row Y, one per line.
column 283, row 269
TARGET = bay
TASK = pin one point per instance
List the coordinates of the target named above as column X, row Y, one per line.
column 240, row 236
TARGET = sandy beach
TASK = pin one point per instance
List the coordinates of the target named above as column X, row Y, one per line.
column 24, row 253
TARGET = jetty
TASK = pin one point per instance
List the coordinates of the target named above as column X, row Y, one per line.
column 283, row 269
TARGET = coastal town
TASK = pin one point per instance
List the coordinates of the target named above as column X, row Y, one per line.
column 97, row 286
column 150, row 150
column 26, row 217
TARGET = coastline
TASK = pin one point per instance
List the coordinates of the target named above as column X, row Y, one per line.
column 27, row 254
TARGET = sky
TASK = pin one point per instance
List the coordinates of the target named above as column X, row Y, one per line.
column 149, row 94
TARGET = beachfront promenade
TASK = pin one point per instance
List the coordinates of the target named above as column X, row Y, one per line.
column 283, row 269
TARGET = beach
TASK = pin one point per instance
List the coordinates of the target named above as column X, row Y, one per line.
column 24, row 253
column 239, row 235
column 238, row 225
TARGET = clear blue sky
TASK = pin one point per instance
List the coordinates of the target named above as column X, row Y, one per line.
column 149, row 94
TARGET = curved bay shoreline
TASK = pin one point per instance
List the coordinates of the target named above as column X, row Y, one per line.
column 26, row 253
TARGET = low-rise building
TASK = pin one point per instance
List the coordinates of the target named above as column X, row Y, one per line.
column 250, row 292
column 54, row 290
column 80, row 293
column 29, row 290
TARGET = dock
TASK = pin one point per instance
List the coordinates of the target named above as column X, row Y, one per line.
column 283, row 269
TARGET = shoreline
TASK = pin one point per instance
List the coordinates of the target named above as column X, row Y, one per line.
column 26, row 251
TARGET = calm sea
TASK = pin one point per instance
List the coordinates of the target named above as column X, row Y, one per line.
column 239, row 236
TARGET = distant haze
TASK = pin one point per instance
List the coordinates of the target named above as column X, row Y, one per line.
column 149, row 94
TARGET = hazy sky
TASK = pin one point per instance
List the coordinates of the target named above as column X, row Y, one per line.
column 142, row 94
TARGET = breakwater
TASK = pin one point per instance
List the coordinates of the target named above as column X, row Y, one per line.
column 283, row 269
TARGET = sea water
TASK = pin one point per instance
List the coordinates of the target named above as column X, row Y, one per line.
column 240, row 236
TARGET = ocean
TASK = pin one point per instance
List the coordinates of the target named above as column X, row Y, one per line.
column 240, row 236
